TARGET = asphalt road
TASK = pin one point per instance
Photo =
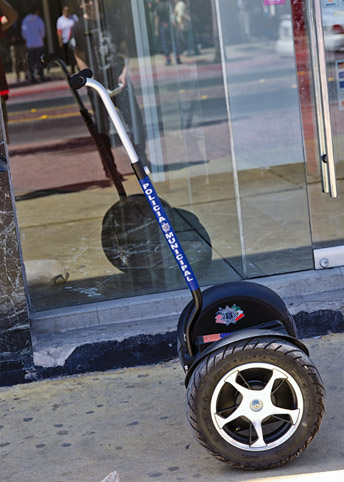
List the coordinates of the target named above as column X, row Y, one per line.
column 191, row 97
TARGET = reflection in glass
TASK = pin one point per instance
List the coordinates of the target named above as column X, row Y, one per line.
column 225, row 153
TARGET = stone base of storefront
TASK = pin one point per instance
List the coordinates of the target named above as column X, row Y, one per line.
column 110, row 334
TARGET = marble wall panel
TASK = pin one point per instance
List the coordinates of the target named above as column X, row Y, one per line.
column 15, row 339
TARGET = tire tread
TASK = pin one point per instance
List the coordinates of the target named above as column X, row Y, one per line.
column 211, row 360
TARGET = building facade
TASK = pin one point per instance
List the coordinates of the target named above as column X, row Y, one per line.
column 236, row 107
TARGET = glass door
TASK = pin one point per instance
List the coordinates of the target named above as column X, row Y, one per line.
column 283, row 69
column 319, row 45
column 263, row 106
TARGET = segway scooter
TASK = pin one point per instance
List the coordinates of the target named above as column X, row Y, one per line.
column 254, row 398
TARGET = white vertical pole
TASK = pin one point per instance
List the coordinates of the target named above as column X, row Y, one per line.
column 47, row 21
column 231, row 137
column 148, row 93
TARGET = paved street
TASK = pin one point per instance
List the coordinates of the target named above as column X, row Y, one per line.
column 81, row 428
column 262, row 91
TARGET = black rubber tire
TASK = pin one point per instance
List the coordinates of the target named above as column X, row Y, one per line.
column 214, row 367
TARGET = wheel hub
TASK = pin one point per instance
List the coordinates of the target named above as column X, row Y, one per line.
column 256, row 405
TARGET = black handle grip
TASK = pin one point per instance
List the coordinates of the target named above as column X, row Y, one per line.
column 79, row 80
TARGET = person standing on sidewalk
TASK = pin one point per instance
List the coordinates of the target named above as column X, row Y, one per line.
column 33, row 31
column 165, row 29
column 17, row 50
column 184, row 29
column 7, row 18
column 64, row 27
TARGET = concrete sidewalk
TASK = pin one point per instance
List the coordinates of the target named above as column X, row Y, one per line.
column 81, row 428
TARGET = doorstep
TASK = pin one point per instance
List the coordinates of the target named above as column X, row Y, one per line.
column 142, row 330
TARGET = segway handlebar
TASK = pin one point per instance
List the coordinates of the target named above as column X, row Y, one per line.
column 83, row 78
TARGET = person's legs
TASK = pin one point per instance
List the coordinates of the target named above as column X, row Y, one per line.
column 31, row 66
column 165, row 44
column 21, row 60
column 69, row 57
column 39, row 63
column 22, row 54
column 14, row 61
column 65, row 53
column 175, row 45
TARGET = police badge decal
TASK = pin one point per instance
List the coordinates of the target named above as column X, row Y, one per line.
column 226, row 316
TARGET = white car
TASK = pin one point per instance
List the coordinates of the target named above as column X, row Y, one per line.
column 333, row 25
column 285, row 44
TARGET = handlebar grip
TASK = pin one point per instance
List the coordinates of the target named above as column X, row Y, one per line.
column 79, row 80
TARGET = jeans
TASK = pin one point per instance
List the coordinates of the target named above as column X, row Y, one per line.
column 167, row 37
column 34, row 58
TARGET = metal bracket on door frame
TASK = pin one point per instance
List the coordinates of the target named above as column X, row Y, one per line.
column 329, row 257
column 322, row 101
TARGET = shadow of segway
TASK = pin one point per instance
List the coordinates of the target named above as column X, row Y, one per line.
column 133, row 242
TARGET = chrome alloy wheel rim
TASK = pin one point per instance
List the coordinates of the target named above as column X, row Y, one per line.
column 256, row 406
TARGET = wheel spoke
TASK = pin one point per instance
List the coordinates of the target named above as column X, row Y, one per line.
column 237, row 412
column 259, row 431
column 250, row 435
column 278, row 386
column 293, row 414
column 236, row 405
column 232, row 381
column 223, row 421
column 276, row 375
column 280, row 419
column 243, row 379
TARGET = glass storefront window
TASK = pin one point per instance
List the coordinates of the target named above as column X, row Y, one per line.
column 81, row 241
column 212, row 108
